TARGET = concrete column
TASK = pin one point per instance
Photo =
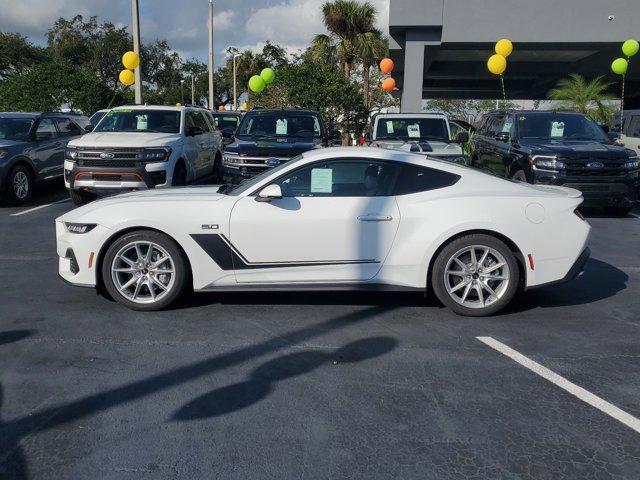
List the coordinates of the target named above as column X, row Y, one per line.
column 413, row 73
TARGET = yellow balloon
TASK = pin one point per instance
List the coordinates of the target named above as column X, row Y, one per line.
column 126, row 77
column 497, row 64
column 130, row 60
column 504, row 47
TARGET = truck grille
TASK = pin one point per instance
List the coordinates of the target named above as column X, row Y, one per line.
column 584, row 168
column 122, row 157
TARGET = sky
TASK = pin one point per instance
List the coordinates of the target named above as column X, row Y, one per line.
column 241, row 23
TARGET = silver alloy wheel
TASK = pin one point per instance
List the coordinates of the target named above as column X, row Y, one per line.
column 143, row 272
column 21, row 185
column 476, row 276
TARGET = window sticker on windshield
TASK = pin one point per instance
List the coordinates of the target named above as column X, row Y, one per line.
column 389, row 126
column 141, row 122
column 321, row 180
column 507, row 126
column 522, row 118
column 120, row 110
column 281, row 126
column 557, row 129
column 413, row 131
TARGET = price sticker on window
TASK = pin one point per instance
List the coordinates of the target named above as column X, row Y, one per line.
column 389, row 126
column 321, row 180
column 557, row 129
column 281, row 126
column 413, row 130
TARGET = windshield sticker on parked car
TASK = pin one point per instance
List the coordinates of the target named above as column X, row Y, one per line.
column 557, row 129
column 281, row 126
column 321, row 180
column 413, row 131
column 389, row 126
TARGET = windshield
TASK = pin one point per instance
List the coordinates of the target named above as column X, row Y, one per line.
column 399, row 128
column 142, row 121
column 280, row 125
column 226, row 121
column 96, row 117
column 249, row 183
column 559, row 126
column 15, row 128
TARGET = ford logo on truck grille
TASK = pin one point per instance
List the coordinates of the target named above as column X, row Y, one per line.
column 107, row 155
column 596, row 165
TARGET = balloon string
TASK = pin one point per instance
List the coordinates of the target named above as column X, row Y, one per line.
column 504, row 95
column 622, row 103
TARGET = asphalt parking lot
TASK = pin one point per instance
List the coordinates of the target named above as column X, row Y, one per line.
column 315, row 385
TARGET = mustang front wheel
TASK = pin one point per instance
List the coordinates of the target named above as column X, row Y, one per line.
column 145, row 270
column 475, row 275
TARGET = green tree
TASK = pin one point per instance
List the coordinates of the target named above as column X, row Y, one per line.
column 587, row 97
column 49, row 85
column 370, row 47
column 18, row 54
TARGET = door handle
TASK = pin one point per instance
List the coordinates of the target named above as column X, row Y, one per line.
column 375, row 218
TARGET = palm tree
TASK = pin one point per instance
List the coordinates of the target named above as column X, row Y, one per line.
column 370, row 46
column 346, row 21
column 577, row 94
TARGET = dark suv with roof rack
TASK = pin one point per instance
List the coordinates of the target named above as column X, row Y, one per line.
column 32, row 149
column 558, row 148
column 268, row 137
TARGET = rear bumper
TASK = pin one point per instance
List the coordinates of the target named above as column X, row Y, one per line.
column 575, row 270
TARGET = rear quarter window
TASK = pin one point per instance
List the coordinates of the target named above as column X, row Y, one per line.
column 414, row 179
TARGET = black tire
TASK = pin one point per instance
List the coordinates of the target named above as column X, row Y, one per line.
column 506, row 291
column 618, row 211
column 179, row 175
column 18, row 185
column 182, row 273
column 217, row 170
column 520, row 175
column 80, row 197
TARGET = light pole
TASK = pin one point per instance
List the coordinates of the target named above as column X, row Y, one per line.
column 193, row 92
column 135, row 33
column 211, row 104
column 182, row 90
column 235, row 53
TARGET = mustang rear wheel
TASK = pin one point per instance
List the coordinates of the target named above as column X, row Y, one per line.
column 145, row 270
column 475, row 275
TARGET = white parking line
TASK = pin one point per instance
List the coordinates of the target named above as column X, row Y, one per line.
column 39, row 207
column 584, row 395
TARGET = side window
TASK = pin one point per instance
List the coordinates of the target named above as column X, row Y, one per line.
column 212, row 123
column 483, row 129
column 67, row 128
column 634, row 127
column 203, row 122
column 414, row 178
column 340, row 178
column 195, row 119
column 496, row 125
column 46, row 129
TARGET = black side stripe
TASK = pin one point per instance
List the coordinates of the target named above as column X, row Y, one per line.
column 227, row 256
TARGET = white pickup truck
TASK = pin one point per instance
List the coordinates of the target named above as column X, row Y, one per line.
column 141, row 146
column 426, row 133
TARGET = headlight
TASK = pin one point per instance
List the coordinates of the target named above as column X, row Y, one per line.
column 71, row 153
column 231, row 157
column 546, row 163
column 79, row 227
column 631, row 164
column 155, row 154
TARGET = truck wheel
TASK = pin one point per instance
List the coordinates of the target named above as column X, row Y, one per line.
column 179, row 175
column 217, row 170
column 19, row 185
column 475, row 275
column 520, row 176
column 80, row 197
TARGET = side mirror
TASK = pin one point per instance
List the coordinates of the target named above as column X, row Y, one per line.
column 268, row 193
column 193, row 131
column 503, row 136
column 613, row 136
column 336, row 135
column 462, row 137
column 89, row 128
column 227, row 132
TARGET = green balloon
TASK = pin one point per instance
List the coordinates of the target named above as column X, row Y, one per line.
column 619, row 66
column 256, row 84
column 630, row 47
column 268, row 75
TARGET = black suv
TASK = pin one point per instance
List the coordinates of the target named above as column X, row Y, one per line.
column 265, row 138
column 558, row 148
column 32, row 149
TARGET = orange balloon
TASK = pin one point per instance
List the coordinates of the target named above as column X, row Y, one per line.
column 388, row 84
column 386, row 65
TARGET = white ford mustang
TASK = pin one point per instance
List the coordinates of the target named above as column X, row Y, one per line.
column 333, row 219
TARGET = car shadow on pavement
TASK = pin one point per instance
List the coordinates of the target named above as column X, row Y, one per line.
column 12, row 459
column 599, row 281
column 262, row 380
column 10, row 336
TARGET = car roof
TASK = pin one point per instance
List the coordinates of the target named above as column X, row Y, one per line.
column 40, row 114
column 262, row 111
column 228, row 113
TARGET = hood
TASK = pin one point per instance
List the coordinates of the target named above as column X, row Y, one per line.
column 286, row 147
column 576, row 149
column 125, row 139
column 432, row 147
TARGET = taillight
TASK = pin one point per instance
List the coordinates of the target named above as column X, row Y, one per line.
column 580, row 216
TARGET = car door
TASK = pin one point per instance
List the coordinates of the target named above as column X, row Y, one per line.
column 336, row 221
column 482, row 143
column 48, row 153
column 67, row 131
column 196, row 145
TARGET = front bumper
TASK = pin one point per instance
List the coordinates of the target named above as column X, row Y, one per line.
column 114, row 177
column 78, row 254
column 619, row 191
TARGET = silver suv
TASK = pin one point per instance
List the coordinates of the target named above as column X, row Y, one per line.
column 137, row 147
